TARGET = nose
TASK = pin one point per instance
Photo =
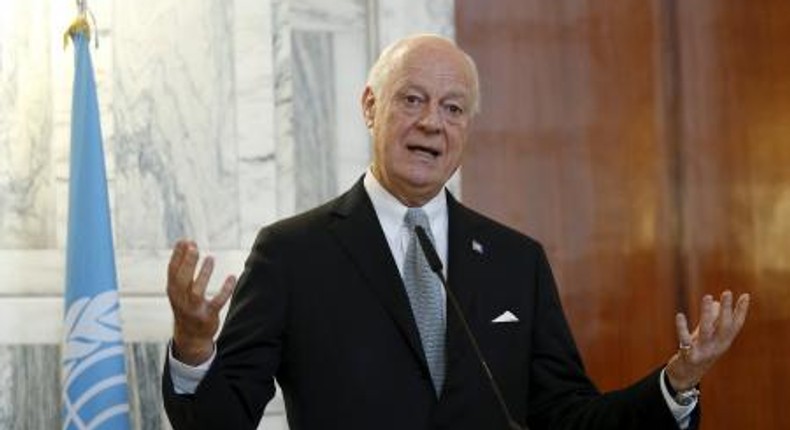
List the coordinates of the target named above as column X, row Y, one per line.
column 431, row 119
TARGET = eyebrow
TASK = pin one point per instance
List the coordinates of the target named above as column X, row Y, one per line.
column 457, row 95
column 453, row 94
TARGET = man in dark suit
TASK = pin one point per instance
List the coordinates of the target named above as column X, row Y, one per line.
column 330, row 306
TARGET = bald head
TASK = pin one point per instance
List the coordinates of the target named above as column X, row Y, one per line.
column 398, row 54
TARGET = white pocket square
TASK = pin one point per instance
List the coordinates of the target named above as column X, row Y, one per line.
column 506, row 317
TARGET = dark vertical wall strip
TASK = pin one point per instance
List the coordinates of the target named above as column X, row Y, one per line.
column 671, row 111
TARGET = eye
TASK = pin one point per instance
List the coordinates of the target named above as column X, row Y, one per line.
column 454, row 109
column 412, row 99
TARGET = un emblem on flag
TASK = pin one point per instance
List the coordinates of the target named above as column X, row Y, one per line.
column 94, row 373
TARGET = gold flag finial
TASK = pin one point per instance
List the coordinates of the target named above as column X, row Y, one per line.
column 80, row 25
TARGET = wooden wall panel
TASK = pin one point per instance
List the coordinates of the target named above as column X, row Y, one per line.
column 647, row 145
column 568, row 149
column 735, row 70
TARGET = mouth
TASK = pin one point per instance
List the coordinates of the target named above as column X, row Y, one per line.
column 424, row 150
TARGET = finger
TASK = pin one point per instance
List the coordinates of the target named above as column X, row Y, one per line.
column 716, row 309
column 741, row 310
column 707, row 318
column 175, row 288
column 185, row 272
column 725, row 314
column 218, row 301
column 206, row 269
column 682, row 328
column 176, row 257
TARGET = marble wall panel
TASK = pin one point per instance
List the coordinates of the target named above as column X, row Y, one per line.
column 141, row 273
column 354, row 148
column 144, row 363
column 26, row 201
column 38, row 320
column 175, row 130
column 283, row 108
column 29, row 376
column 314, row 117
column 254, row 75
column 399, row 18
column 324, row 146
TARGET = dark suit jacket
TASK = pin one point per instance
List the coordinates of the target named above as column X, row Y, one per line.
column 321, row 307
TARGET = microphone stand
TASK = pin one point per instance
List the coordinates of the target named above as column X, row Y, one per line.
column 436, row 266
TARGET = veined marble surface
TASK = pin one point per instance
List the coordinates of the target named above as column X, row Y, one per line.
column 218, row 118
column 399, row 18
column 26, row 203
column 321, row 58
column 174, row 95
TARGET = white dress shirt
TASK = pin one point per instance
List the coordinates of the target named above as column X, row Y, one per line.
column 392, row 213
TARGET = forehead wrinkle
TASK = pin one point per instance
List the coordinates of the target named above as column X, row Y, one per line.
column 440, row 61
column 450, row 83
column 459, row 92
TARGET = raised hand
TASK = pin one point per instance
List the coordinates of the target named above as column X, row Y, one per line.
column 196, row 317
column 718, row 327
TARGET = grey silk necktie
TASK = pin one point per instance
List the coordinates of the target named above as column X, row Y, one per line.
column 425, row 296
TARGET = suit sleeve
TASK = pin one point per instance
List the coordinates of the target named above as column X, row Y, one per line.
column 562, row 396
column 240, row 381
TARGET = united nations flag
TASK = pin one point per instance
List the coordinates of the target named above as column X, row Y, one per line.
column 94, row 375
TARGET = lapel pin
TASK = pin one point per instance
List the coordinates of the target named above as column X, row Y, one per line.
column 477, row 247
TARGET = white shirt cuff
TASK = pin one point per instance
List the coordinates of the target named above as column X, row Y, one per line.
column 186, row 378
column 681, row 413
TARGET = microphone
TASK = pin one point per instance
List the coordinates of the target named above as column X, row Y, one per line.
column 436, row 266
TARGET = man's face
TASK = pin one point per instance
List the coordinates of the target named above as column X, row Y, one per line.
column 419, row 121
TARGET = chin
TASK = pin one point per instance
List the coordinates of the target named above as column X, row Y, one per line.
column 421, row 180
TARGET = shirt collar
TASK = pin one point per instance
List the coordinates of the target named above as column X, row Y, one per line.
column 391, row 211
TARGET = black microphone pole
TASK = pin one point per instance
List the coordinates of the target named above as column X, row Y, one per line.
column 436, row 266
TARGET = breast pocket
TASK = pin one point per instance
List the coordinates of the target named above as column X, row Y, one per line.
column 504, row 338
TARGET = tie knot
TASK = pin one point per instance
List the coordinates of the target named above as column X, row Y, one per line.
column 416, row 217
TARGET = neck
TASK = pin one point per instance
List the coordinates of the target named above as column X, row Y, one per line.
column 409, row 199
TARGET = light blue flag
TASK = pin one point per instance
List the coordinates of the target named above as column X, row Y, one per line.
column 95, row 392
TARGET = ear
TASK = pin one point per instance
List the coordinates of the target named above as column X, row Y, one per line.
column 368, row 106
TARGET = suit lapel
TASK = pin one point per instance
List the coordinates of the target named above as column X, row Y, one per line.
column 465, row 278
column 465, row 254
column 358, row 230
